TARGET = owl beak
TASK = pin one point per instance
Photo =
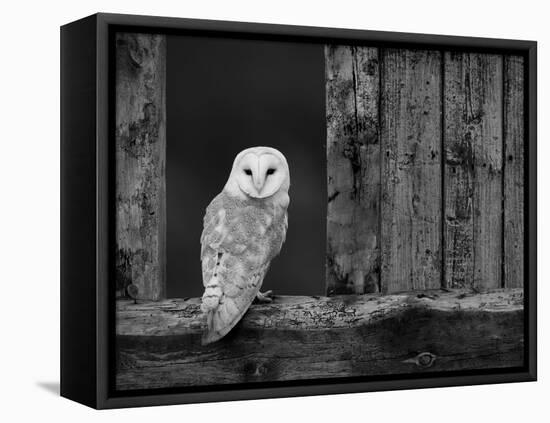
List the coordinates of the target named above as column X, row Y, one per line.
column 258, row 182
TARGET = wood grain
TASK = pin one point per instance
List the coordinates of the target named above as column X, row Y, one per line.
column 140, row 163
column 411, row 170
column 514, row 144
column 473, row 170
column 353, row 169
column 158, row 343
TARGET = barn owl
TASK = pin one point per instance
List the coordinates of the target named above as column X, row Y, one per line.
column 244, row 229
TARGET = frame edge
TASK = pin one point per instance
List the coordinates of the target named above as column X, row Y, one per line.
column 78, row 212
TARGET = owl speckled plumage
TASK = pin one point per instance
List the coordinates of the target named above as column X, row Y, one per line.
column 244, row 229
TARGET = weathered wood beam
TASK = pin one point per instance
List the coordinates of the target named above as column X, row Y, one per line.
column 158, row 343
column 514, row 144
column 411, row 249
column 353, row 169
column 473, row 170
column 140, row 164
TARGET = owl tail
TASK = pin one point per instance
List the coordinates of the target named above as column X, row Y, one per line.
column 210, row 335
column 220, row 321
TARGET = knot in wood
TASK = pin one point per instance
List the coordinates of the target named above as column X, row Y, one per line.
column 132, row 291
column 424, row 360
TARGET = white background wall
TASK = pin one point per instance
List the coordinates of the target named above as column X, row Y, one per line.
column 29, row 209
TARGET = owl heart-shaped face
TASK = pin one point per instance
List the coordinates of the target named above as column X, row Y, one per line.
column 260, row 172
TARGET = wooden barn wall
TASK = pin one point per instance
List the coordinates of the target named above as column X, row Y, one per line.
column 140, row 165
column 353, row 146
column 425, row 169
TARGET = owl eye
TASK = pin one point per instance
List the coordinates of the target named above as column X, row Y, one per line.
column 248, row 172
column 270, row 171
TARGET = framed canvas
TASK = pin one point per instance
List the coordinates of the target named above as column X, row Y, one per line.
column 256, row 211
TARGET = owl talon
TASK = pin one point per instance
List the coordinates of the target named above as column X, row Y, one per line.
column 265, row 297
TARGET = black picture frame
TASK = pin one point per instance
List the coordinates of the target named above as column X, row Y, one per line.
column 86, row 223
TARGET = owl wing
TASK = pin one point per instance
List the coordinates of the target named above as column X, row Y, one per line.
column 233, row 265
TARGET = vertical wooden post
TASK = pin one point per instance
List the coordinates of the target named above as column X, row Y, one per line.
column 353, row 160
column 513, row 171
column 411, row 169
column 140, row 164
column 473, row 170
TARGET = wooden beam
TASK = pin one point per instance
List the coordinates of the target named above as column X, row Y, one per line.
column 473, row 170
column 140, row 164
column 514, row 139
column 158, row 343
column 353, row 169
column 411, row 170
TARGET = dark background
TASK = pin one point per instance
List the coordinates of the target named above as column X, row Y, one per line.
column 225, row 95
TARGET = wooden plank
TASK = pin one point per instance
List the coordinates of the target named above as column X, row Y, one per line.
column 353, row 169
column 514, row 138
column 158, row 343
column 458, row 176
column 140, row 163
column 411, row 169
column 473, row 170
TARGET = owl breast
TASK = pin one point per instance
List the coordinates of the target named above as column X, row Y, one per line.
column 247, row 233
column 258, row 224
